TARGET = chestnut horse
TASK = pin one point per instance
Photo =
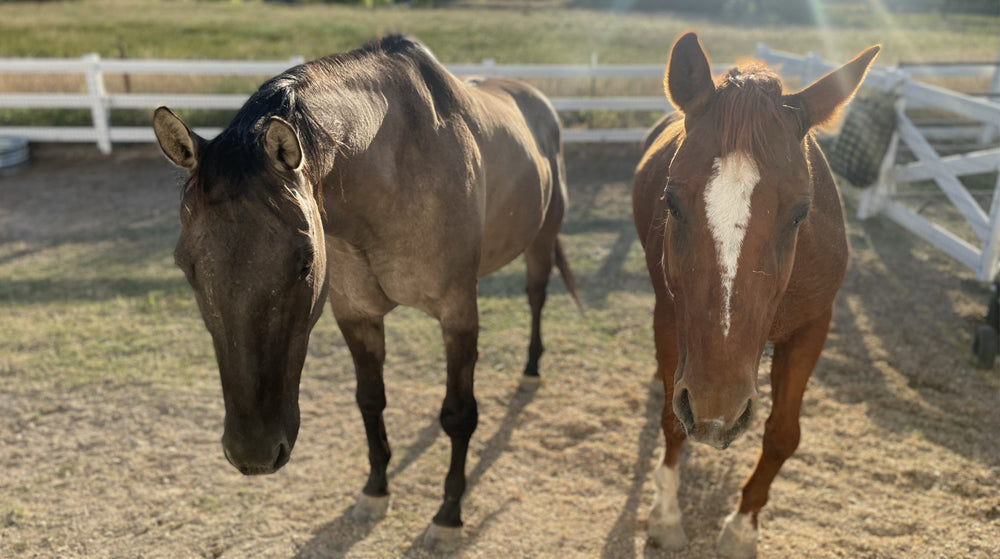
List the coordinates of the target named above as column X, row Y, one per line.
column 744, row 236
column 378, row 179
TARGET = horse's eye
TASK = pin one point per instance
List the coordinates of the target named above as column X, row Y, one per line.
column 673, row 204
column 306, row 257
column 187, row 267
column 304, row 271
column 799, row 214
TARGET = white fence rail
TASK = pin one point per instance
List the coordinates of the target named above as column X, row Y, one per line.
column 100, row 102
column 886, row 196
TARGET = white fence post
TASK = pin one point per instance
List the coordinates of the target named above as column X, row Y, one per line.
column 761, row 51
column 990, row 132
column 98, row 100
column 488, row 65
column 991, row 252
column 812, row 68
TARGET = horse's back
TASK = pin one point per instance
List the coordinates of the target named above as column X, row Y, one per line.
column 520, row 143
column 538, row 112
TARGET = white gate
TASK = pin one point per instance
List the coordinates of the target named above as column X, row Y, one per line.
column 982, row 254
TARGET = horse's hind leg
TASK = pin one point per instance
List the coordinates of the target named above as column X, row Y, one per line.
column 459, row 415
column 539, row 258
column 365, row 338
column 791, row 367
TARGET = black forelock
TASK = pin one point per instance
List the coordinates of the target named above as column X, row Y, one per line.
column 236, row 155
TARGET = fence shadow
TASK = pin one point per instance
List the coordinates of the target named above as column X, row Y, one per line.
column 893, row 304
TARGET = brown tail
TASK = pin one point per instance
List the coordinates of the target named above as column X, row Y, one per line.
column 567, row 273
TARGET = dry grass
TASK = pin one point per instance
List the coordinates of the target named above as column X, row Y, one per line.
column 112, row 409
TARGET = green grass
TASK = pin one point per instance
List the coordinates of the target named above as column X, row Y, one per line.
column 548, row 34
column 264, row 30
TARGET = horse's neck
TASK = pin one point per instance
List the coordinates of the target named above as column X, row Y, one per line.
column 349, row 119
column 350, row 115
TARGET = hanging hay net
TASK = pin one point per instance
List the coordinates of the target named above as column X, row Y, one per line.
column 864, row 137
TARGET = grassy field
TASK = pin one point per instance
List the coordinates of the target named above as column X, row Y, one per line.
column 548, row 34
column 112, row 408
column 264, row 30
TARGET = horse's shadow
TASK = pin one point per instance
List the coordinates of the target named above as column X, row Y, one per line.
column 626, row 524
column 336, row 538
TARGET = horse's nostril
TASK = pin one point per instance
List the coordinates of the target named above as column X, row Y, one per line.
column 682, row 409
column 284, row 453
column 743, row 421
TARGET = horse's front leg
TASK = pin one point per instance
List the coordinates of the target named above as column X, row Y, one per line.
column 459, row 416
column 791, row 366
column 664, row 523
column 365, row 337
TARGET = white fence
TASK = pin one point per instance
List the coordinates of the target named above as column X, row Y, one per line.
column 983, row 259
column 886, row 196
column 100, row 102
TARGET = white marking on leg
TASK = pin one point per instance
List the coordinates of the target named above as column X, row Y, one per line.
column 664, row 524
column 665, row 508
column 738, row 539
column 727, row 207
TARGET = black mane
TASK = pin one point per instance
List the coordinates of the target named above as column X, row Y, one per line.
column 236, row 155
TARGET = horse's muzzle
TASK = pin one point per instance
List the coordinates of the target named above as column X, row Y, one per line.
column 713, row 432
column 257, row 460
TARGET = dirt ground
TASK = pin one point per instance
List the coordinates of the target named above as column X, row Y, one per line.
column 900, row 452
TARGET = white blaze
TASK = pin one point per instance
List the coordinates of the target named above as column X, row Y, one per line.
column 727, row 205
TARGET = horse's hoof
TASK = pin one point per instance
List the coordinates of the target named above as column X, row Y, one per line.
column 667, row 536
column 370, row 508
column 442, row 538
column 529, row 383
column 738, row 539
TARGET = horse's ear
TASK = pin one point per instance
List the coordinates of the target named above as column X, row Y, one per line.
column 181, row 146
column 821, row 101
column 688, row 80
column 282, row 145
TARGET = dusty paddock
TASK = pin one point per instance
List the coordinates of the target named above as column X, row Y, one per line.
column 899, row 454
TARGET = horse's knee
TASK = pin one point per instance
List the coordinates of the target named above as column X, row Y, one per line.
column 781, row 439
column 459, row 419
column 371, row 400
column 536, row 291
